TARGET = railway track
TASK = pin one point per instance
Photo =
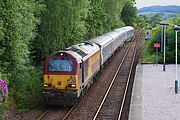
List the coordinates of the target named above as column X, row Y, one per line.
column 54, row 113
column 112, row 105
column 90, row 104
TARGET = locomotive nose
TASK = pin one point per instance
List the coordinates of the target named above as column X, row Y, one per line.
column 60, row 82
column 71, row 82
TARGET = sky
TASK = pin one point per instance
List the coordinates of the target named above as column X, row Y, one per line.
column 145, row 3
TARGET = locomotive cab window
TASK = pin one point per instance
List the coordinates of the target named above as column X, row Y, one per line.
column 60, row 66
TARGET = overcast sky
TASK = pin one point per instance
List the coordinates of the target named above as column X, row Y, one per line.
column 144, row 3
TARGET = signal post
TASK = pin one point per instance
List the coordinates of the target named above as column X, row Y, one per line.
column 156, row 45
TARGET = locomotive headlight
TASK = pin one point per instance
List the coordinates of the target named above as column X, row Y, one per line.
column 61, row 54
column 47, row 84
column 72, row 85
column 71, row 82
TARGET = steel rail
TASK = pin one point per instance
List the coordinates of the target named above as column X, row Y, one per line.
column 127, row 84
column 69, row 112
column 72, row 109
column 107, row 92
column 43, row 115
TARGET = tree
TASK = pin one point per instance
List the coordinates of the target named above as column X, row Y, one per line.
column 113, row 9
column 170, row 43
column 18, row 25
column 129, row 13
column 63, row 24
column 96, row 19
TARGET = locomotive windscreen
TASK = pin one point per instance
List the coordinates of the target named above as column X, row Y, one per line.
column 60, row 65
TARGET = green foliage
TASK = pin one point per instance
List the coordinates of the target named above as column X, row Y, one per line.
column 1, row 33
column 170, row 43
column 113, row 9
column 147, row 55
column 28, row 90
column 17, row 30
column 24, row 40
column 129, row 13
column 3, row 108
column 149, row 52
column 63, row 23
column 96, row 19
column 147, row 22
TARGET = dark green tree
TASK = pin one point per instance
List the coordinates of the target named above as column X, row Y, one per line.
column 170, row 43
column 96, row 19
column 113, row 9
column 129, row 13
column 63, row 24
column 17, row 29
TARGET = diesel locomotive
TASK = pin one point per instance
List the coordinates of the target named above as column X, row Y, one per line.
column 69, row 72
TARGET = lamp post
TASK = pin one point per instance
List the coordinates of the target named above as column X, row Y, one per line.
column 177, row 28
column 164, row 26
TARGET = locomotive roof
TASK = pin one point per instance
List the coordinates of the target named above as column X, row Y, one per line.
column 72, row 53
column 80, row 51
column 85, row 49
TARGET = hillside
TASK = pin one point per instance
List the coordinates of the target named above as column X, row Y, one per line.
column 163, row 11
column 168, row 9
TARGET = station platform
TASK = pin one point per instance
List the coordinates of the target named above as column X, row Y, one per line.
column 153, row 96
